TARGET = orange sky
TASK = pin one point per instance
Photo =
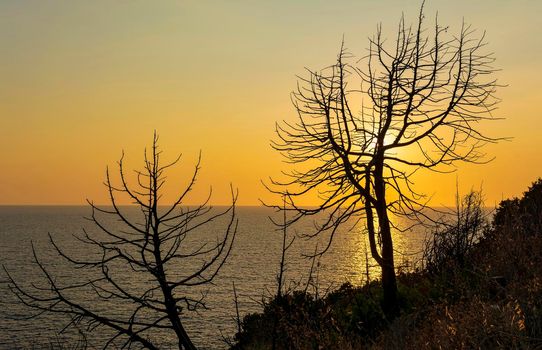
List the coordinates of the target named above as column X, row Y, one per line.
column 82, row 80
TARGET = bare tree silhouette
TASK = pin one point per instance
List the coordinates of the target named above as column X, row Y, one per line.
column 145, row 268
column 286, row 244
column 421, row 100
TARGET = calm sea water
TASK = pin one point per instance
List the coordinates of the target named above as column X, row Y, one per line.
column 253, row 265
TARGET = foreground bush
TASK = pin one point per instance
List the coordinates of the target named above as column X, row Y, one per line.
column 482, row 291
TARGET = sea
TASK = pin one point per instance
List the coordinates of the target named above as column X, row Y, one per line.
column 252, row 268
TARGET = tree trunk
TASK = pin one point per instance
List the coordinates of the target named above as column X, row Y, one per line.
column 389, row 283
column 184, row 340
column 171, row 306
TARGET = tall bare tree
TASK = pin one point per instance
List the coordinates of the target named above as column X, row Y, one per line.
column 143, row 268
column 421, row 99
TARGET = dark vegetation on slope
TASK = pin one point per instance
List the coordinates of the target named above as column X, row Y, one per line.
column 480, row 288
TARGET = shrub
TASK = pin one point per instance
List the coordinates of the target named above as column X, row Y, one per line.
column 455, row 235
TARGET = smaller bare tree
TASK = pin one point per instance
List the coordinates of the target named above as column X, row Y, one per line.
column 138, row 283
column 283, row 227
column 456, row 233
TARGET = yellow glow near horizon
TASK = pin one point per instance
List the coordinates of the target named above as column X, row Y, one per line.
column 82, row 81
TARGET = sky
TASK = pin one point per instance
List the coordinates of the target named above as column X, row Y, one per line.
column 82, row 81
